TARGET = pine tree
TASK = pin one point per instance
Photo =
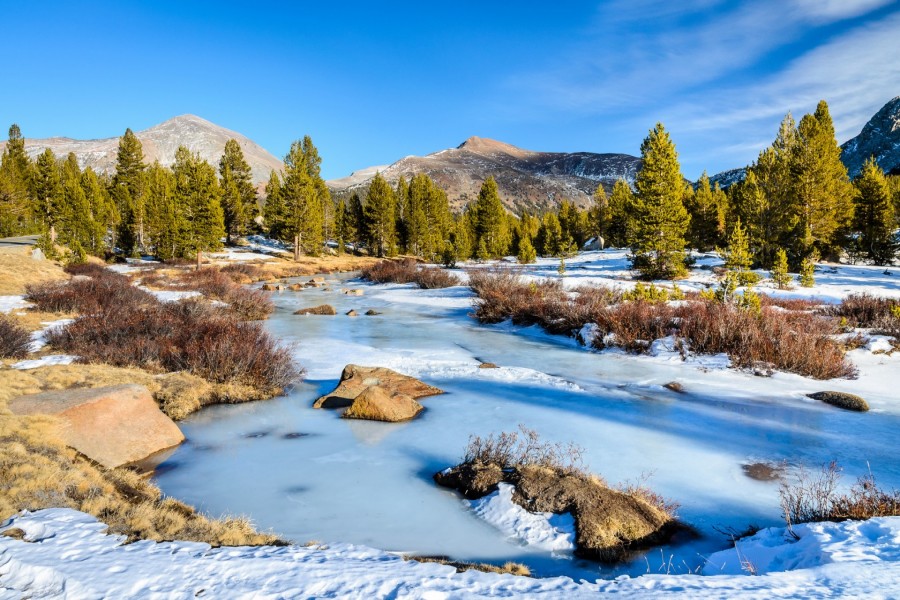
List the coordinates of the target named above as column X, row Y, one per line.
column 621, row 214
column 706, row 206
column 874, row 218
column 380, row 217
column 15, row 172
column 46, row 190
column 103, row 213
column 197, row 200
column 600, row 216
column 274, row 213
column 489, row 220
column 660, row 219
column 304, row 195
column 438, row 219
column 550, row 241
column 779, row 272
column 239, row 201
column 128, row 193
column 808, row 271
column 527, row 253
column 74, row 217
column 415, row 217
column 737, row 256
column 357, row 219
column 821, row 188
column 165, row 219
column 571, row 223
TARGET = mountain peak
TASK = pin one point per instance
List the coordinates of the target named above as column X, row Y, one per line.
column 488, row 146
column 880, row 137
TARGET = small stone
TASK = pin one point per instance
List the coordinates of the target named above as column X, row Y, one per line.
column 488, row 365
column 322, row 309
column 841, row 400
column 353, row 292
column 372, row 312
column 352, row 313
column 675, row 387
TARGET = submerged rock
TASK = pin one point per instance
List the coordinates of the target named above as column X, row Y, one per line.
column 372, row 312
column 113, row 425
column 488, row 365
column 376, row 404
column 322, row 309
column 353, row 292
column 841, row 400
column 609, row 523
column 355, row 379
column 675, row 387
column 352, row 313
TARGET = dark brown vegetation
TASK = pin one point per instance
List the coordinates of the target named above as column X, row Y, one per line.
column 882, row 315
column 408, row 271
column 817, row 497
column 93, row 289
column 14, row 340
column 180, row 336
column 609, row 523
column 792, row 340
column 510, row 568
column 223, row 285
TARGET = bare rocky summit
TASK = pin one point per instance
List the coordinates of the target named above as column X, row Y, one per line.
column 160, row 143
column 526, row 179
column 880, row 137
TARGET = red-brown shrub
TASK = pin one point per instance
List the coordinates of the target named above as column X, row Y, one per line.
column 182, row 336
column 14, row 340
column 407, row 270
column 101, row 290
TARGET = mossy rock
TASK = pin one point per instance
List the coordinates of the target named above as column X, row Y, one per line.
column 323, row 309
column 841, row 400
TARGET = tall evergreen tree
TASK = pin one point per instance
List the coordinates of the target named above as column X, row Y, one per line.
column 621, row 215
column 165, row 217
column 707, row 209
column 380, row 217
column 489, row 220
column 197, row 198
column 599, row 215
column 303, row 222
column 46, row 190
column 128, row 192
column 103, row 213
column 357, row 219
column 414, row 201
column 239, row 200
column 874, row 219
column 821, row 188
column 74, row 216
column 551, row 240
column 660, row 219
column 15, row 174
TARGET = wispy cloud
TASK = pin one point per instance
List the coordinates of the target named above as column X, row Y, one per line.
column 834, row 10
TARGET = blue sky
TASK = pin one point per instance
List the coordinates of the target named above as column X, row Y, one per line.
column 372, row 82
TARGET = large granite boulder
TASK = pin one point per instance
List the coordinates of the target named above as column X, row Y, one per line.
column 355, row 379
column 841, row 400
column 376, row 404
column 113, row 425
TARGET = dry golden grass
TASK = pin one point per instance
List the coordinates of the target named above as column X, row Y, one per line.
column 39, row 471
column 313, row 265
column 178, row 394
column 510, row 568
column 18, row 269
column 33, row 320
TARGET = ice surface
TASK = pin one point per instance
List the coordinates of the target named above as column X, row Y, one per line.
column 370, row 483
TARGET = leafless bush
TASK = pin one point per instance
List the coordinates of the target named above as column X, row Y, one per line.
column 815, row 497
column 216, row 284
column 408, row 271
column 183, row 336
column 100, row 290
column 521, row 448
column 14, row 340
column 241, row 272
column 864, row 310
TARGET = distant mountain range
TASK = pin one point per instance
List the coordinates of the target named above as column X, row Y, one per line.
column 526, row 179
column 160, row 143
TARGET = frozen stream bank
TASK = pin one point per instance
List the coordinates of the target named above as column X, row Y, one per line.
column 307, row 474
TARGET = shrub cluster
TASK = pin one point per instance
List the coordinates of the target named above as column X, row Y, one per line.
column 183, row 336
column 408, row 271
column 248, row 304
column 816, row 497
column 523, row 448
column 14, row 340
column 94, row 289
column 882, row 315
column 795, row 341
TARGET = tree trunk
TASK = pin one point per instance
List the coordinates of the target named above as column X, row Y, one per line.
column 199, row 258
column 297, row 248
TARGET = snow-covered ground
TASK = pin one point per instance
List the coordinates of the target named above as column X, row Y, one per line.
column 66, row 554
column 307, row 474
column 11, row 303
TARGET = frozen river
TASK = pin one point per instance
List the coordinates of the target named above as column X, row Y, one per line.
column 309, row 475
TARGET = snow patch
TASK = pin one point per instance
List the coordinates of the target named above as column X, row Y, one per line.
column 45, row 361
column 11, row 303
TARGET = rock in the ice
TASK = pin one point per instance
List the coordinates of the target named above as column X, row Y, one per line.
column 113, row 425
column 841, row 400
column 322, row 309
column 355, row 379
column 376, row 404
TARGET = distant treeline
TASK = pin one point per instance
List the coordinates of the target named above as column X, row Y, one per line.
column 796, row 198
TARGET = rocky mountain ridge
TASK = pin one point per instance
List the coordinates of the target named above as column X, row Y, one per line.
column 880, row 137
column 526, row 179
column 160, row 143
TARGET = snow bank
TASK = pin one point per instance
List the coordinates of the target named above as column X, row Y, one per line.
column 11, row 303
column 171, row 295
column 45, row 361
column 546, row 531
column 39, row 338
column 66, row 554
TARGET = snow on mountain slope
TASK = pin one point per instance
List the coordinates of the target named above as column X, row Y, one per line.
column 880, row 137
